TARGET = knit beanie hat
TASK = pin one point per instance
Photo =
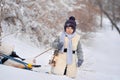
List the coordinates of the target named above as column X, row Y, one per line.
column 70, row 23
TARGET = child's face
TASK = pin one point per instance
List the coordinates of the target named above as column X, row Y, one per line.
column 69, row 30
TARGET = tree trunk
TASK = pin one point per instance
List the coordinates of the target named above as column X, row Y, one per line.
column 1, row 8
column 101, row 15
column 0, row 23
column 0, row 33
column 101, row 19
column 113, row 12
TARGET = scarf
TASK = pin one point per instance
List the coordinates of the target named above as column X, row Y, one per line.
column 69, row 46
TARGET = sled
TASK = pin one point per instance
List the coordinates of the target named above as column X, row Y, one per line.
column 27, row 65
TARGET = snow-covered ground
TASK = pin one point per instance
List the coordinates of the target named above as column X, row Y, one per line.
column 101, row 55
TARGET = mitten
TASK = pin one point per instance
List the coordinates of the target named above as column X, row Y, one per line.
column 80, row 62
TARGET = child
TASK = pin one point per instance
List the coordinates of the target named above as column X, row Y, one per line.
column 70, row 54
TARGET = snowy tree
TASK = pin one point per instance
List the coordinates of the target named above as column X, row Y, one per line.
column 0, row 34
column 38, row 21
column 112, row 20
column 0, row 21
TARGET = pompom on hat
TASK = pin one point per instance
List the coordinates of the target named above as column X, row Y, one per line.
column 70, row 23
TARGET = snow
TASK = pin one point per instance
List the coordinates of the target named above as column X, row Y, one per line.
column 102, row 60
column 10, row 73
column 101, row 55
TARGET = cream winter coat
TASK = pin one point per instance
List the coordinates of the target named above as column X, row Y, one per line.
column 61, row 63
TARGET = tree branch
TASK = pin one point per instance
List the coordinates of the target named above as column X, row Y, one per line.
column 113, row 23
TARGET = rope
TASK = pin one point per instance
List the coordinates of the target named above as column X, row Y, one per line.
column 43, row 53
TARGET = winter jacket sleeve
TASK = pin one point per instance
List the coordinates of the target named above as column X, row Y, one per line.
column 55, row 43
column 79, row 51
